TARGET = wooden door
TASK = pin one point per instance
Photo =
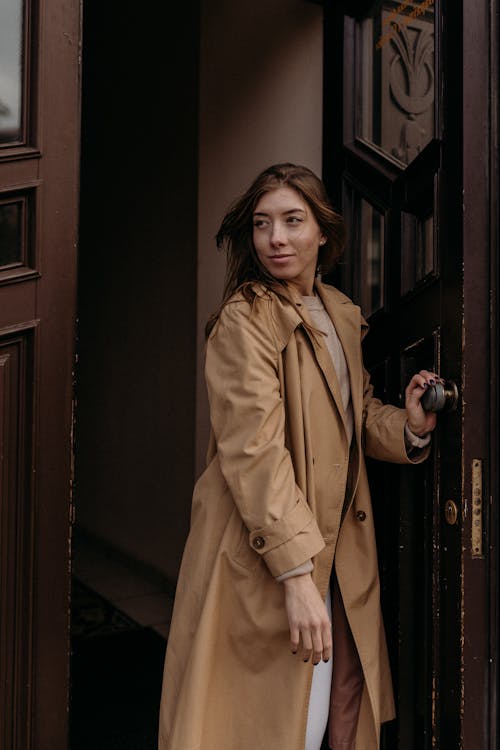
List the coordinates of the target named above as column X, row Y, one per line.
column 408, row 139
column 39, row 141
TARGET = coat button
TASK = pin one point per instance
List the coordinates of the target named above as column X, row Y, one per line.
column 361, row 515
column 258, row 542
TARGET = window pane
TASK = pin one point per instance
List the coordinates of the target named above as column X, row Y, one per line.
column 371, row 269
column 11, row 52
column 417, row 248
column 10, row 233
column 395, row 78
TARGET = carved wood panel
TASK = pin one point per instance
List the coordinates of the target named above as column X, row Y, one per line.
column 396, row 86
column 16, row 532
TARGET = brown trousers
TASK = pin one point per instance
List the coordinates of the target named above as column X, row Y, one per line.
column 347, row 678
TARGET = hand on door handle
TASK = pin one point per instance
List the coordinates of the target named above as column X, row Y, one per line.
column 440, row 397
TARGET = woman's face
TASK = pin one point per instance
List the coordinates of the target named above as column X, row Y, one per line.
column 286, row 237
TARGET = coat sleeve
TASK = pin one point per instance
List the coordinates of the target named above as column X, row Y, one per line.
column 248, row 421
column 384, row 427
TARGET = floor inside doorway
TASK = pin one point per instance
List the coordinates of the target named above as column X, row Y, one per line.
column 119, row 625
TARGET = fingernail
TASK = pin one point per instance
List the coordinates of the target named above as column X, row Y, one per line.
column 426, row 385
column 315, row 663
column 305, row 661
column 431, row 380
column 326, row 660
column 293, row 652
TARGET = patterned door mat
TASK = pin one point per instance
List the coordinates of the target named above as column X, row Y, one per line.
column 92, row 615
column 116, row 675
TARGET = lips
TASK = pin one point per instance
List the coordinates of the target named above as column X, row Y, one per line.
column 280, row 258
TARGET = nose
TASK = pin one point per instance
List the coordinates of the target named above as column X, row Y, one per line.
column 278, row 235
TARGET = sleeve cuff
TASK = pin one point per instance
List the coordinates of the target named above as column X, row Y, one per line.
column 300, row 570
column 289, row 541
column 414, row 441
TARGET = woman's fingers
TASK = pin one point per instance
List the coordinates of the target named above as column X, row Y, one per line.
column 310, row 627
column 327, row 641
column 294, row 638
column 421, row 381
column 307, row 647
column 419, row 421
column 317, row 644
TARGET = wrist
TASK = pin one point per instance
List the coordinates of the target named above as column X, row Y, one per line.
column 415, row 440
column 296, row 581
column 416, row 430
column 417, row 433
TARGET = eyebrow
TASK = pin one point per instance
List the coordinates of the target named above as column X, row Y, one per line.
column 290, row 211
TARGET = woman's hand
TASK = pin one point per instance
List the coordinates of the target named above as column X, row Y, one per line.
column 420, row 422
column 308, row 618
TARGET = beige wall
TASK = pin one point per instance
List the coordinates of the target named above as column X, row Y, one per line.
column 260, row 103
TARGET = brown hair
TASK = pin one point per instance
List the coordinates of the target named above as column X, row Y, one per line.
column 235, row 233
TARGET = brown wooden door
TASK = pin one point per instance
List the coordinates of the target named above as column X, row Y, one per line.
column 407, row 157
column 39, row 141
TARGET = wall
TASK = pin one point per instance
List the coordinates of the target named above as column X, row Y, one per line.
column 260, row 103
column 137, row 279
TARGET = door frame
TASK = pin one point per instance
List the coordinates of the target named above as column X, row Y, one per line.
column 37, row 320
column 479, row 583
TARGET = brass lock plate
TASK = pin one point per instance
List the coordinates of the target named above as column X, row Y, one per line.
column 451, row 512
column 477, row 508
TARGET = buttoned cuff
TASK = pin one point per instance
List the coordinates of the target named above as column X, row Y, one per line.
column 289, row 541
column 300, row 570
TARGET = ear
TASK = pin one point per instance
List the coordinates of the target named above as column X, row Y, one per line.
column 322, row 240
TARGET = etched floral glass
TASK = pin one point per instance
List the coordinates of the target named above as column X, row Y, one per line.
column 395, row 79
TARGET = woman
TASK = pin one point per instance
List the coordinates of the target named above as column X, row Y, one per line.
column 282, row 542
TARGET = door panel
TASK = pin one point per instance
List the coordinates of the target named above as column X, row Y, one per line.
column 410, row 141
column 39, row 146
column 17, row 516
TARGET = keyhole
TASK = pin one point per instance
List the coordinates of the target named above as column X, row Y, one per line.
column 450, row 512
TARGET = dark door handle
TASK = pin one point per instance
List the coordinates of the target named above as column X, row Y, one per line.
column 440, row 397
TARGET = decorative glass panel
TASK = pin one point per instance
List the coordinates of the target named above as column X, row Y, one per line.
column 11, row 54
column 417, row 249
column 395, row 78
column 10, row 233
column 371, row 262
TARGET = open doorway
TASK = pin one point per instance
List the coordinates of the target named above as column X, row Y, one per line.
column 135, row 376
column 175, row 123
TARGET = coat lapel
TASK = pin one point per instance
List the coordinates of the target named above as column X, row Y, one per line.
column 346, row 318
column 290, row 313
column 327, row 367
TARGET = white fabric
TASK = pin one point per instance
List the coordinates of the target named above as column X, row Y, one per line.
column 319, row 701
column 414, row 440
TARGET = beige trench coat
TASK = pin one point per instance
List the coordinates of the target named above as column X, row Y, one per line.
column 270, row 498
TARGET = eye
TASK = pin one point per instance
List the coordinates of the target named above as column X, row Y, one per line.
column 294, row 220
column 260, row 223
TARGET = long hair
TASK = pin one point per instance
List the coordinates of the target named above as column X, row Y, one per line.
column 235, row 234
